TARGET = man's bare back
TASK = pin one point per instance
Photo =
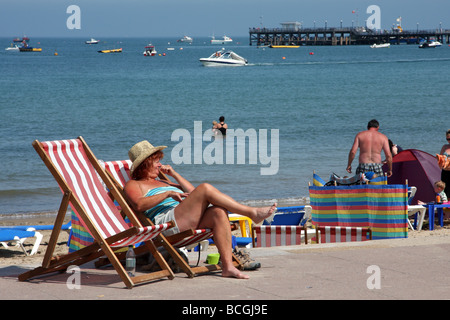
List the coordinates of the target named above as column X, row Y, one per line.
column 370, row 144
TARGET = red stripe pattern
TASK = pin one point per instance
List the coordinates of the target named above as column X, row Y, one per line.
column 269, row 236
column 342, row 234
column 70, row 159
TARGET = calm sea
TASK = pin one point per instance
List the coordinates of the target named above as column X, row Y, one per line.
column 317, row 98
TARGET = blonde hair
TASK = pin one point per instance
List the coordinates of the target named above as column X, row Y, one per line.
column 439, row 184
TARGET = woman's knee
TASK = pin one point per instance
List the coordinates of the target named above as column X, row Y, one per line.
column 206, row 187
column 217, row 214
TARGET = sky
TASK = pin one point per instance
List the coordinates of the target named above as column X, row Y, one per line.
column 167, row 18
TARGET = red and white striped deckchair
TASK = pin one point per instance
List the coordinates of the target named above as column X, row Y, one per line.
column 327, row 234
column 278, row 235
column 78, row 174
column 120, row 172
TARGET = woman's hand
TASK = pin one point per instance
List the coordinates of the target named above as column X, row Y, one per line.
column 167, row 169
column 177, row 196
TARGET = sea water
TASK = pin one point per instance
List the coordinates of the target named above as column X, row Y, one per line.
column 315, row 98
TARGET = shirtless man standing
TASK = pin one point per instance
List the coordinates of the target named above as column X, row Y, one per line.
column 370, row 144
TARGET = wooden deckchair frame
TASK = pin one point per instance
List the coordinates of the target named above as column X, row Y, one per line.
column 167, row 242
column 101, row 246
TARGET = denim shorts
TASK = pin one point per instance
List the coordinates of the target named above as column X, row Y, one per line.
column 166, row 217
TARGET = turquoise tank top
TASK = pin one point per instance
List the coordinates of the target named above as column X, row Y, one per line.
column 163, row 206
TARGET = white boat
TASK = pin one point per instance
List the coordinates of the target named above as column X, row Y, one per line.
column 381, row 45
column 186, row 39
column 13, row 48
column 223, row 58
column 430, row 44
column 92, row 41
column 149, row 51
column 224, row 40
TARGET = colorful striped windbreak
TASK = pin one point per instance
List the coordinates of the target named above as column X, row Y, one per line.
column 383, row 208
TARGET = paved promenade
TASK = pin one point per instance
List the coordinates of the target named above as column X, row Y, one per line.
column 373, row 270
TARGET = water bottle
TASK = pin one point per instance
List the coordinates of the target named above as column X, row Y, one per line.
column 130, row 264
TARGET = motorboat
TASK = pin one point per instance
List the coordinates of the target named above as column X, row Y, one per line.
column 284, row 46
column 186, row 39
column 224, row 40
column 224, row 58
column 13, row 48
column 110, row 51
column 430, row 44
column 149, row 51
column 92, row 41
column 380, row 45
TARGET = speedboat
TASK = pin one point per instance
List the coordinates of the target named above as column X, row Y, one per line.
column 186, row 39
column 224, row 40
column 149, row 50
column 92, row 41
column 223, row 58
column 381, row 45
column 430, row 44
column 13, row 48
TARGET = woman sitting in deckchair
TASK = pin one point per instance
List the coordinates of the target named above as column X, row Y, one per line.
column 188, row 206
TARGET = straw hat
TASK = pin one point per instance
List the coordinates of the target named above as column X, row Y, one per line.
column 141, row 151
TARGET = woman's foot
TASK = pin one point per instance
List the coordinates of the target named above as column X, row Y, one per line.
column 264, row 213
column 233, row 272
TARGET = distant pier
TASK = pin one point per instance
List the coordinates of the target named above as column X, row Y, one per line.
column 342, row 36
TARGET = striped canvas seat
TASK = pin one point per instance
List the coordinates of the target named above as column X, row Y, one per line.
column 277, row 235
column 327, row 234
column 80, row 176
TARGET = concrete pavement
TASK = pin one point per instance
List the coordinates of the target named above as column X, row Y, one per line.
column 372, row 270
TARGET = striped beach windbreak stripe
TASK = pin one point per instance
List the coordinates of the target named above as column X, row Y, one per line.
column 342, row 234
column 381, row 207
column 270, row 236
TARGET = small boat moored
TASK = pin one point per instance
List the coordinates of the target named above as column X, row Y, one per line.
column 380, row 45
column 149, row 51
column 223, row 58
column 186, row 39
column 92, row 41
column 13, row 48
column 110, row 51
column 224, row 40
column 284, row 46
column 430, row 44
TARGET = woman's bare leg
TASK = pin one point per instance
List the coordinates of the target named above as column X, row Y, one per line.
column 190, row 211
column 216, row 218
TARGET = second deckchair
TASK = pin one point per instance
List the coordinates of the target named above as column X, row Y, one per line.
column 78, row 173
column 120, row 174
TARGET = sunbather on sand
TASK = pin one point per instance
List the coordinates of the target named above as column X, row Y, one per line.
column 190, row 207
